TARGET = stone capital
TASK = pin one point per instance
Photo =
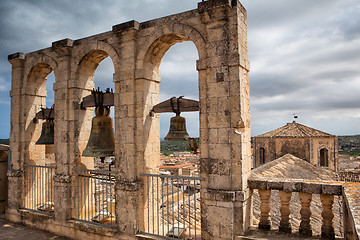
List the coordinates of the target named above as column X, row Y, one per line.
column 16, row 59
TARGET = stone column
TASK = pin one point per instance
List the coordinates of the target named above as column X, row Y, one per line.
column 305, row 212
column 327, row 228
column 131, row 132
column 285, row 225
column 265, row 223
column 15, row 174
column 62, row 140
column 224, row 121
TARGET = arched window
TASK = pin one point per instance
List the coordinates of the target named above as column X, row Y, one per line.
column 324, row 162
column 262, row 155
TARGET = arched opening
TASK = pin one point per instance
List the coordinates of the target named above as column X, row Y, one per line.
column 95, row 71
column 37, row 90
column 178, row 78
column 95, row 185
column 262, row 156
column 38, row 191
column 324, row 157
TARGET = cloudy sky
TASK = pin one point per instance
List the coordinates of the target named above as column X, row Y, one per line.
column 305, row 55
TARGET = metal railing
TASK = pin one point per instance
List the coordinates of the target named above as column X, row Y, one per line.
column 173, row 206
column 94, row 196
column 39, row 188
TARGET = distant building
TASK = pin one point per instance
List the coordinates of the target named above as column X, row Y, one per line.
column 185, row 169
column 314, row 146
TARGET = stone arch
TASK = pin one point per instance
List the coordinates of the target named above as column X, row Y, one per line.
column 95, row 53
column 156, row 45
column 35, row 99
column 84, row 76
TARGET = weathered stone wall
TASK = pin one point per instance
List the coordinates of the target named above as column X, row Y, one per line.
column 304, row 148
column 330, row 144
column 218, row 29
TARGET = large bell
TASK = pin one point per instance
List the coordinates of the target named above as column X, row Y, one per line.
column 47, row 133
column 102, row 141
column 177, row 131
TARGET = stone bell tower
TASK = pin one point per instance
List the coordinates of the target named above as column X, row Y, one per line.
column 218, row 29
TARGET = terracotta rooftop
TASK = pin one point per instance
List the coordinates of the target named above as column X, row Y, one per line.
column 292, row 174
column 291, row 167
column 295, row 129
column 176, row 166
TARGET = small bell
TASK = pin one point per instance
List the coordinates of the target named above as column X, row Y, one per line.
column 47, row 133
column 101, row 141
column 177, row 131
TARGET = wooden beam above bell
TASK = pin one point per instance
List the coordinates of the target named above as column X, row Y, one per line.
column 174, row 104
column 89, row 101
column 45, row 113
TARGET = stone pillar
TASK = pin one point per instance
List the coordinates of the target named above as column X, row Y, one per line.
column 285, row 225
column 15, row 175
column 224, row 121
column 305, row 212
column 62, row 140
column 132, row 125
column 327, row 228
column 265, row 223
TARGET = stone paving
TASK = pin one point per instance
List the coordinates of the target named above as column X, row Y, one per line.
column 12, row 231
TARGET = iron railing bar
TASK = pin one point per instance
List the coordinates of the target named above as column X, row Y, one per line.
column 173, row 177
column 94, row 171
column 189, row 193
column 167, row 204
column 153, row 209
column 195, row 206
column 184, row 217
column 148, row 204
column 78, row 197
column 172, row 205
column 157, row 205
column 38, row 166
column 162, row 205
column 94, row 177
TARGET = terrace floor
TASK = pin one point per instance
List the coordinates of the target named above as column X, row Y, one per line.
column 12, row 231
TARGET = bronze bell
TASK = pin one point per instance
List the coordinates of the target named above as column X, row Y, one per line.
column 102, row 141
column 177, row 131
column 47, row 133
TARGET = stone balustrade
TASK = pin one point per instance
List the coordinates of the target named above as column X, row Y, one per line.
column 306, row 189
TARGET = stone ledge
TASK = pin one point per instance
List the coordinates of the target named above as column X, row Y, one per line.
column 319, row 187
column 223, row 195
column 351, row 196
column 18, row 55
column 34, row 216
column 93, row 228
column 126, row 26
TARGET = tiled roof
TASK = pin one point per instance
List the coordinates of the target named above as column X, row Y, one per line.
column 177, row 166
column 290, row 167
column 295, row 129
